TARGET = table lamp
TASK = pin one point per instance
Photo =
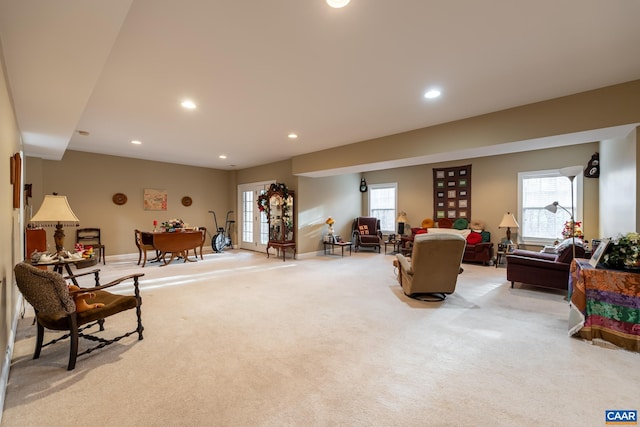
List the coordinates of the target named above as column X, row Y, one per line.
column 508, row 221
column 55, row 211
column 402, row 220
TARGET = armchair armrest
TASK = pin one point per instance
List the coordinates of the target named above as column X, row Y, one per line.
column 405, row 264
column 110, row 284
column 95, row 272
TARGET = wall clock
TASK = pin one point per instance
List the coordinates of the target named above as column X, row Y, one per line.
column 186, row 201
column 363, row 186
column 119, row 199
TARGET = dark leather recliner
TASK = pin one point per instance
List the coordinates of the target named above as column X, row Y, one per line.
column 548, row 270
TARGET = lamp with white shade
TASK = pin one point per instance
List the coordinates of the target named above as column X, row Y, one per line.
column 508, row 221
column 55, row 211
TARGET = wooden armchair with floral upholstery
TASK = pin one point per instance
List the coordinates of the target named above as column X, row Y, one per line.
column 366, row 233
column 62, row 307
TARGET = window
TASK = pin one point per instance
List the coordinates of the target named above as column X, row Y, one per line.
column 382, row 205
column 538, row 189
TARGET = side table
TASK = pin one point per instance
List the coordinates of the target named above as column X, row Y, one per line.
column 332, row 245
column 395, row 244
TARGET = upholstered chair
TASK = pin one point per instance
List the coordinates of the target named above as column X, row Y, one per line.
column 431, row 273
column 367, row 233
column 59, row 309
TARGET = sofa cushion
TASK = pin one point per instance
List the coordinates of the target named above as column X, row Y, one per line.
column 486, row 236
column 460, row 224
column 445, row 223
column 363, row 229
column 476, row 225
column 566, row 243
column 464, row 233
column 474, row 238
column 428, row 223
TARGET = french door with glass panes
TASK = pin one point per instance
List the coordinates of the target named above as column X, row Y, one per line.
column 253, row 229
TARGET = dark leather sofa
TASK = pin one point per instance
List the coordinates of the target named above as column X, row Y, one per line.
column 547, row 270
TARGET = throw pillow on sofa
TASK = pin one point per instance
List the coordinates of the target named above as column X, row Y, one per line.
column 460, row 224
column 474, row 238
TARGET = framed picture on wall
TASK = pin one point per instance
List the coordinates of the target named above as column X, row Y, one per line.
column 155, row 200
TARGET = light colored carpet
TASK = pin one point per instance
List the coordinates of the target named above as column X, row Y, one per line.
column 242, row 340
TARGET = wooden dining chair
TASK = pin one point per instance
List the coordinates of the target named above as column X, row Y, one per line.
column 91, row 237
column 143, row 248
column 204, row 239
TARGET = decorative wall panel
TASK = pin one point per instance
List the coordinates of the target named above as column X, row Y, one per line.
column 452, row 192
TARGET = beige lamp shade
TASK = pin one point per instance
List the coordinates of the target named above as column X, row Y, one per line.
column 508, row 221
column 54, row 210
column 402, row 217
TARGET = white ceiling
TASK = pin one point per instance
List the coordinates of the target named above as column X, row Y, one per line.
column 260, row 69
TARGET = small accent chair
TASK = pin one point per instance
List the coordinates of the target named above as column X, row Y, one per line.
column 55, row 308
column 143, row 248
column 432, row 271
column 366, row 233
column 91, row 237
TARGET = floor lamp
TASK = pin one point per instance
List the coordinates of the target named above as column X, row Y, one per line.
column 55, row 211
column 571, row 173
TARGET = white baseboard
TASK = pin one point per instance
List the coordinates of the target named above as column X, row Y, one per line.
column 6, row 365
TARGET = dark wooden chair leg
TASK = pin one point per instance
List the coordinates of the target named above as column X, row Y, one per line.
column 73, row 348
column 39, row 339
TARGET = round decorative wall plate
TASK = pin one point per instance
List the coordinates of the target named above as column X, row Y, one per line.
column 186, row 201
column 119, row 199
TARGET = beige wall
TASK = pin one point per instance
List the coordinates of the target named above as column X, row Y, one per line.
column 11, row 231
column 494, row 185
column 319, row 198
column 618, row 185
column 90, row 180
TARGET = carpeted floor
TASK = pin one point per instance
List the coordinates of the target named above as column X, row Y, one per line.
column 242, row 340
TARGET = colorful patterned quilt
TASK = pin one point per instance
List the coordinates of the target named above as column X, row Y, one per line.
column 605, row 304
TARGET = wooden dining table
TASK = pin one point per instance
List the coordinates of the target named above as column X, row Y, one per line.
column 177, row 243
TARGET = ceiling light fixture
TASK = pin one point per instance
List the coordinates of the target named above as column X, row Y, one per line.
column 83, row 133
column 292, row 135
column 432, row 93
column 338, row 3
column 188, row 104
column 222, row 156
column 136, row 142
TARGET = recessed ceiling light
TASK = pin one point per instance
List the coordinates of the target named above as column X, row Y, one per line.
column 136, row 142
column 293, row 135
column 338, row 3
column 432, row 93
column 188, row 104
column 222, row 156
